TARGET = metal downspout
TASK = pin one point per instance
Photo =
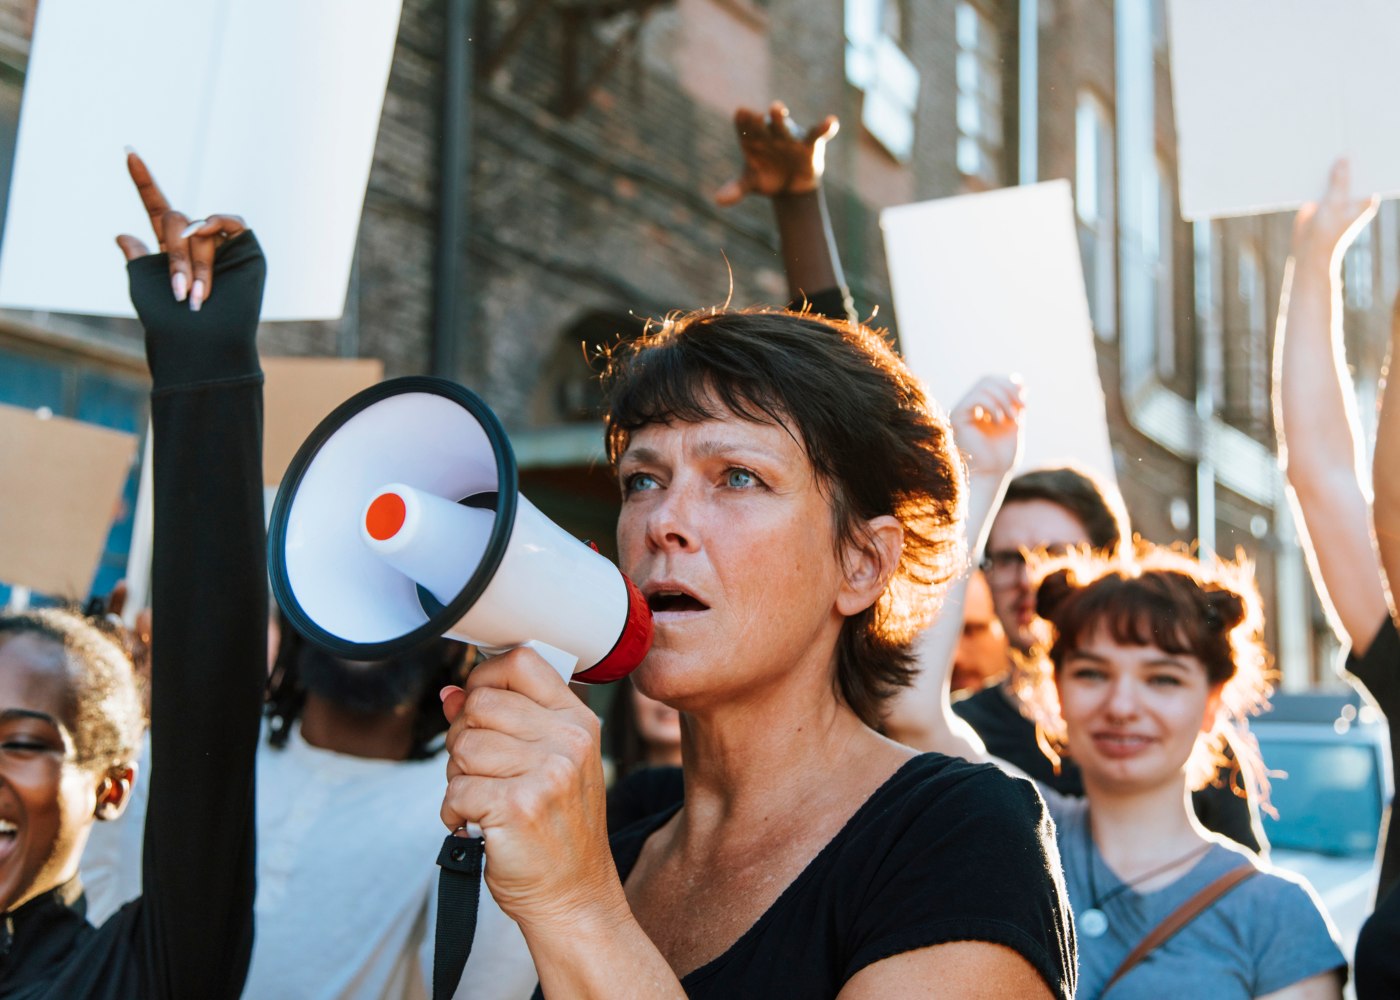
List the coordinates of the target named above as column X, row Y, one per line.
column 451, row 290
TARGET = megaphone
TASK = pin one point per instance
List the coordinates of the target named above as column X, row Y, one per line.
column 400, row 519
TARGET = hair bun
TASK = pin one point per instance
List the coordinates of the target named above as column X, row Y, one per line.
column 1051, row 593
column 1224, row 609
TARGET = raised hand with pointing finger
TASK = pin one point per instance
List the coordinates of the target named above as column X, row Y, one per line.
column 190, row 246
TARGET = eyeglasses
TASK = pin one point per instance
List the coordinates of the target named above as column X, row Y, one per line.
column 1001, row 566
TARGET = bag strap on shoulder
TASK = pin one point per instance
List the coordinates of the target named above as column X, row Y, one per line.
column 1180, row 917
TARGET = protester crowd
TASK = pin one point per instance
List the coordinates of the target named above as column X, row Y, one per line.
column 911, row 725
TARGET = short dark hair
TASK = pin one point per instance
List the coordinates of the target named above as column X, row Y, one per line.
column 110, row 720
column 1095, row 504
column 439, row 661
column 875, row 441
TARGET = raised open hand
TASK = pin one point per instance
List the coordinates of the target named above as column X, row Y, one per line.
column 190, row 245
column 1324, row 229
column 987, row 424
column 779, row 158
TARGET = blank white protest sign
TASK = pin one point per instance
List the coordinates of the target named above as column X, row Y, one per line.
column 1269, row 93
column 991, row 284
column 267, row 109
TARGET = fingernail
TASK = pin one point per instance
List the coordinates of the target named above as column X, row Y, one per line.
column 192, row 228
column 197, row 295
column 177, row 282
column 447, row 691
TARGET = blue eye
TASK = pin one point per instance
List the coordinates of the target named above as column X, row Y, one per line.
column 1165, row 680
column 740, row 479
column 638, row 482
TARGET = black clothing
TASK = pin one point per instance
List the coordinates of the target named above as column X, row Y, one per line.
column 1379, row 672
column 1376, row 967
column 1377, row 964
column 42, row 931
column 1010, row 736
column 943, row 851
column 190, row 933
column 645, row 792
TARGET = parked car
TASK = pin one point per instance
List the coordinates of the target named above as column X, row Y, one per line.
column 1329, row 759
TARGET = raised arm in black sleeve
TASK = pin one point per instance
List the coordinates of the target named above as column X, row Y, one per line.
column 1379, row 672
column 190, row 934
column 209, row 610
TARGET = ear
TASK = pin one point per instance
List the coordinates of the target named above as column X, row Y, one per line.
column 114, row 792
column 869, row 561
column 1213, row 705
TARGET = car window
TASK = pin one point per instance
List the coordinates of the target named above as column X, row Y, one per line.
column 1328, row 798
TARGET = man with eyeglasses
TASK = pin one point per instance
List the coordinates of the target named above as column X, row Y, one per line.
column 1044, row 510
column 1053, row 510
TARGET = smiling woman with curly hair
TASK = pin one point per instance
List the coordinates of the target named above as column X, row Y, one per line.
column 1149, row 659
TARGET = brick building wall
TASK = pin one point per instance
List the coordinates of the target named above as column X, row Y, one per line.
column 588, row 204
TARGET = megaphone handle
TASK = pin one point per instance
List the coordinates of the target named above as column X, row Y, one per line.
column 459, row 893
column 563, row 663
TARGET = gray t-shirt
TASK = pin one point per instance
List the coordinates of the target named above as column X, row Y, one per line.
column 1266, row 933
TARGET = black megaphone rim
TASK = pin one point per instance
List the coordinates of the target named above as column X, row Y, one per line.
column 438, row 623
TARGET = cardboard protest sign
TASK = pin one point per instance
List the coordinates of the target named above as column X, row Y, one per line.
column 272, row 115
column 1269, row 93
column 301, row 392
column 61, row 489
column 991, row 284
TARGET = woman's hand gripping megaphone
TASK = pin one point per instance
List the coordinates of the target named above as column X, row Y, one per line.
column 525, row 766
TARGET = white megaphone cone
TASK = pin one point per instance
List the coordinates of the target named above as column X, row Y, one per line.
column 400, row 520
column 432, row 541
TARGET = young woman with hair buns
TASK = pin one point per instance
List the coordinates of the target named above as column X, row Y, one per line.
column 1147, row 658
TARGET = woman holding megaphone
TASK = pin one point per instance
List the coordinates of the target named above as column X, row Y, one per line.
column 791, row 510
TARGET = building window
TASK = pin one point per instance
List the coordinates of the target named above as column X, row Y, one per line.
column 1158, row 14
column 981, row 110
column 1163, row 291
column 1148, row 320
column 567, row 389
column 1144, row 236
column 1209, row 322
column 1094, row 205
column 876, row 64
column 1247, row 370
column 1359, row 269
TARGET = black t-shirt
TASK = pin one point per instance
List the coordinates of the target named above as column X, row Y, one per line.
column 1377, row 965
column 943, row 851
column 1010, row 736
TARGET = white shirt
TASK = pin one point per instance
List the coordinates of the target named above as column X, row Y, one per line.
column 346, row 899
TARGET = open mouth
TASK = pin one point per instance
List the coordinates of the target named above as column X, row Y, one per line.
column 674, row 601
column 9, row 836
